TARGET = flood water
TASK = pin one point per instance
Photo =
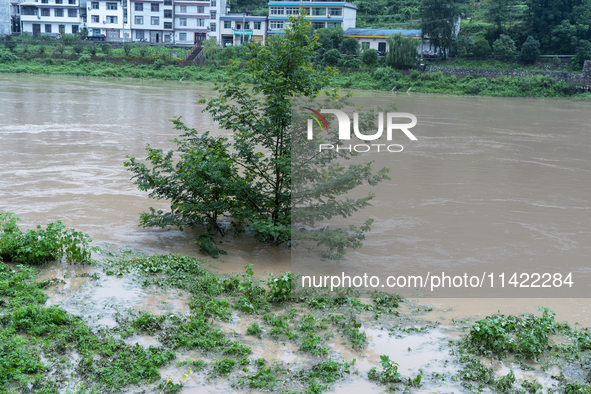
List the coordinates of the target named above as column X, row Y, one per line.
column 63, row 141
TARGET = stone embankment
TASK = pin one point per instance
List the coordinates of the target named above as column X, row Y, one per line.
column 582, row 79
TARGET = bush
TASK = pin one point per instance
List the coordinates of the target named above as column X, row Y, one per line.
column 142, row 48
column 39, row 246
column 504, row 46
column 78, row 47
column 7, row 57
column 530, row 50
column 370, row 57
column 481, row 47
column 60, row 48
column 127, row 47
column 106, row 48
column 10, row 44
column 92, row 49
column 350, row 46
column 403, row 51
column 332, row 57
column 583, row 53
column 69, row 39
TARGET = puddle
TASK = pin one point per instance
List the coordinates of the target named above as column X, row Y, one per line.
column 98, row 300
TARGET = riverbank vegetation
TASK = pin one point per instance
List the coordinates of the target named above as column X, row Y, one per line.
column 45, row 349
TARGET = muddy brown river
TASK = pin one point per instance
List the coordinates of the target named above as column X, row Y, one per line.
column 521, row 191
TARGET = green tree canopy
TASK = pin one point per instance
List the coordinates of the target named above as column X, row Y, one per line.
column 402, row 51
column 247, row 178
column 481, row 47
column 504, row 46
column 438, row 22
column 530, row 50
column 350, row 46
column 370, row 57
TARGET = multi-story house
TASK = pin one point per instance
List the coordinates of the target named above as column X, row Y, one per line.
column 5, row 21
column 196, row 21
column 321, row 13
column 108, row 17
column 152, row 21
column 240, row 27
column 51, row 16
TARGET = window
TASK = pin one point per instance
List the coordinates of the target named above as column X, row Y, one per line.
column 318, row 25
column 200, row 22
column 277, row 10
column 200, row 9
column 227, row 24
column 168, row 25
column 167, row 2
column 111, row 19
column 155, row 20
column 72, row 13
column 48, row 28
column 44, row 11
column 183, row 9
column 213, row 3
column 167, row 37
column 246, row 25
column 182, row 21
column 211, row 27
column 112, row 6
column 139, row 20
column 44, row 1
column 365, row 45
column 72, row 2
column 212, row 15
column 96, row 32
column 257, row 25
column 168, row 13
column 382, row 47
column 276, row 25
column 74, row 29
column 139, row 34
column 335, row 11
column 333, row 24
column 59, row 2
column 154, row 7
column 318, row 11
column 182, row 36
column 139, row 6
column 292, row 10
column 94, row 5
column 95, row 19
column 58, row 12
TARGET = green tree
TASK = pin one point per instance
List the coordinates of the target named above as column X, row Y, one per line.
column 464, row 44
column 530, row 50
column 246, row 178
column 330, row 38
column 127, row 47
column 92, row 49
column 350, row 46
column 481, row 47
column 499, row 12
column 370, row 57
column 504, row 46
column 402, row 51
column 545, row 15
column 583, row 53
column 439, row 19
column 332, row 57
column 564, row 38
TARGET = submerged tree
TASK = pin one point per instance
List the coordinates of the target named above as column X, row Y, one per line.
column 245, row 179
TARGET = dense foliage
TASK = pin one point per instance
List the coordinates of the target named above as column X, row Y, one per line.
column 41, row 245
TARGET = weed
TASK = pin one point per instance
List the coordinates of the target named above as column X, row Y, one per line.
column 254, row 329
column 223, row 366
column 389, row 372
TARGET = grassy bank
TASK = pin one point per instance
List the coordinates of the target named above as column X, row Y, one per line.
column 375, row 79
column 45, row 349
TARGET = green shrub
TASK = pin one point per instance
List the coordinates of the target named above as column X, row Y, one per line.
column 39, row 246
column 530, row 50
column 106, row 48
column 8, row 57
column 481, row 47
column 370, row 57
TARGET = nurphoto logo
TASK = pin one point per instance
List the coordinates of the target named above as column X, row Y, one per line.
column 345, row 130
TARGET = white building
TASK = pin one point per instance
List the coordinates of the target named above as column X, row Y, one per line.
column 5, row 17
column 51, row 16
column 152, row 21
column 196, row 21
column 378, row 38
column 108, row 17
column 237, row 28
column 321, row 13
